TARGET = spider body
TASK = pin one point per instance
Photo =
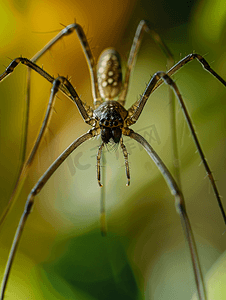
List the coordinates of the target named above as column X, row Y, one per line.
column 110, row 114
column 111, row 120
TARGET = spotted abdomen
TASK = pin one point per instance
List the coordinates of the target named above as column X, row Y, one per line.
column 109, row 74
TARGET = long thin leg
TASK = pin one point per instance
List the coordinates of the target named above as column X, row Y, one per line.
column 29, row 64
column 125, row 154
column 92, row 65
column 180, row 207
column 142, row 26
column 98, row 163
column 186, row 60
column 65, row 86
column 27, row 164
column 87, row 51
column 25, row 167
column 137, row 110
column 30, row 201
column 66, row 31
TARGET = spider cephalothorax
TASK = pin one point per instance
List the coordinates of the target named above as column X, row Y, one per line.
column 111, row 116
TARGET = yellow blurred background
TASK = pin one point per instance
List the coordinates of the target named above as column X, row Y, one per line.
column 62, row 254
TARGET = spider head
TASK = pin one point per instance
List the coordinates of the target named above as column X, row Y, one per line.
column 111, row 126
column 111, row 116
column 109, row 74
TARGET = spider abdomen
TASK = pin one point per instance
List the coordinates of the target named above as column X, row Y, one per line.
column 109, row 74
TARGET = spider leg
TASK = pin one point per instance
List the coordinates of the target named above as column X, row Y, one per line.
column 171, row 71
column 29, row 64
column 91, row 63
column 85, row 110
column 87, row 51
column 142, row 26
column 25, row 167
column 65, row 86
column 180, row 207
column 30, row 201
column 66, row 31
column 98, row 163
column 137, row 111
column 188, row 59
column 125, row 154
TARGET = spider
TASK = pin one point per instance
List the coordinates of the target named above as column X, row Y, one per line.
column 111, row 121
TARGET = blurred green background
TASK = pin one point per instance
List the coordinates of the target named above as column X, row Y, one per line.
column 62, row 254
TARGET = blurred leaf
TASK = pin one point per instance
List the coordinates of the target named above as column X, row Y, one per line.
column 94, row 266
